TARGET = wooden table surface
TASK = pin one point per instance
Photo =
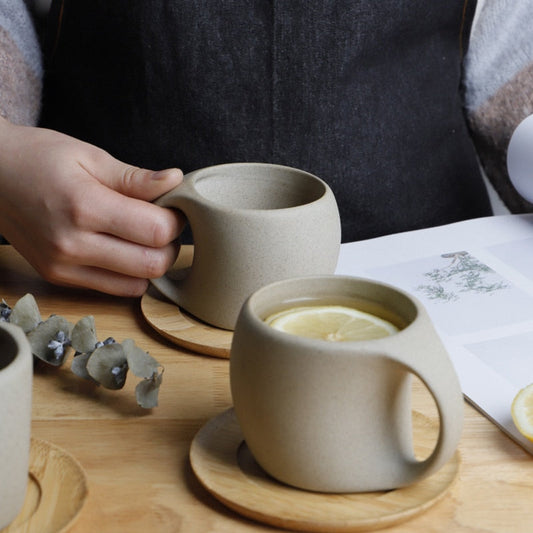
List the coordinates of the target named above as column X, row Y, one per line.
column 137, row 462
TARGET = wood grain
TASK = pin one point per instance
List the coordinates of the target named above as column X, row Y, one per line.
column 56, row 492
column 137, row 463
column 182, row 328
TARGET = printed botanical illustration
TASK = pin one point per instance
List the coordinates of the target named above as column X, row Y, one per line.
column 461, row 292
column 460, row 273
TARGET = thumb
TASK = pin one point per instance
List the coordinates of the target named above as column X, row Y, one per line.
column 142, row 183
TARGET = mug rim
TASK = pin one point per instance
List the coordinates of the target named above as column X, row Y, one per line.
column 197, row 175
column 251, row 303
column 15, row 334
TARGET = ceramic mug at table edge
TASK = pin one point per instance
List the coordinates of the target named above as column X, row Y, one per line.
column 15, row 420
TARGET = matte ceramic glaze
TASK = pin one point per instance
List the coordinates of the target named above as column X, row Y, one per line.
column 336, row 416
column 16, row 371
column 252, row 224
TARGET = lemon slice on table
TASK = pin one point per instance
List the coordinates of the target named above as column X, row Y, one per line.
column 331, row 322
column 522, row 411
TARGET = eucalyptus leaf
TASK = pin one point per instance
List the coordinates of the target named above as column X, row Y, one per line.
column 147, row 391
column 79, row 366
column 106, row 363
column 140, row 362
column 84, row 335
column 26, row 314
column 49, row 341
column 108, row 366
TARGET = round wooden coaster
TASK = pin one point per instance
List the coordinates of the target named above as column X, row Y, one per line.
column 57, row 490
column 182, row 328
column 223, row 464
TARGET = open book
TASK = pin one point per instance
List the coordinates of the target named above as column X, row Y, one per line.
column 475, row 279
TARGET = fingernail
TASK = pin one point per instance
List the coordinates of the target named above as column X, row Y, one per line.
column 168, row 173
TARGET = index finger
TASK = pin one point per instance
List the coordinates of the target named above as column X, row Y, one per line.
column 136, row 220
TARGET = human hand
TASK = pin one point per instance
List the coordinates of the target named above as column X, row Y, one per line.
column 80, row 216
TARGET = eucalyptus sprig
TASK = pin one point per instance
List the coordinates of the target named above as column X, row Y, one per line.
column 104, row 362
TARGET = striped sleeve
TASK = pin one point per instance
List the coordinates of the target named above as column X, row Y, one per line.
column 20, row 65
column 498, row 75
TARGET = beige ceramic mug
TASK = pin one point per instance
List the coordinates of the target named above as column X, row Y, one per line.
column 336, row 416
column 16, row 370
column 252, row 224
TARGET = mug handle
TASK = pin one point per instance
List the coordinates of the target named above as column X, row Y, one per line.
column 176, row 199
column 426, row 357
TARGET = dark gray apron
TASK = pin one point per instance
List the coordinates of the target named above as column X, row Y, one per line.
column 365, row 94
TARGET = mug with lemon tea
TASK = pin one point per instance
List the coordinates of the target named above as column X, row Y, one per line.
column 320, row 371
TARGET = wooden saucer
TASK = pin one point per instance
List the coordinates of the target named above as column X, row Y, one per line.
column 182, row 328
column 225, row 467
column 57, row 490
column 177, row 325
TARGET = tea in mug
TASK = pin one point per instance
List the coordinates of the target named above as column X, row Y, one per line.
column 333, row 322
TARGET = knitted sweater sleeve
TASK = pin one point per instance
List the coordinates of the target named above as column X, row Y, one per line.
column 20, row 65
column 499, row 87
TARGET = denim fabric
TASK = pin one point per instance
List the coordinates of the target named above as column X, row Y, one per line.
column 364, row 94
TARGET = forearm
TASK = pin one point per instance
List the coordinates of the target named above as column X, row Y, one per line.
column 499, row 87
column 20, row 65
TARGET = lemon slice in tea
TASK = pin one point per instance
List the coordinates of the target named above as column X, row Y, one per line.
column 331, row 322
column 522, row 411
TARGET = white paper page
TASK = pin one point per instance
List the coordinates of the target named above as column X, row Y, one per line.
column 475, row 279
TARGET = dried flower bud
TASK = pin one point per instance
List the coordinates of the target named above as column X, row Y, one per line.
column 108, row 365
column 50, row 339
column 5, row 311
